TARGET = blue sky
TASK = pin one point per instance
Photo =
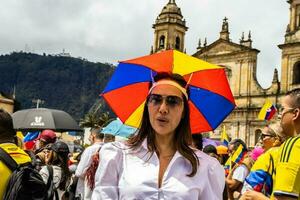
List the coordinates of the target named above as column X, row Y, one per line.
column 112, row 30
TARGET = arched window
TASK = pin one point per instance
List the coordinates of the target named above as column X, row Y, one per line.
column 162, row 42
column 177, row 43
column 257, row 136
column 296, row 73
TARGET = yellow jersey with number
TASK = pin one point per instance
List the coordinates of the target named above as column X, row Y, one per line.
column 18, row 155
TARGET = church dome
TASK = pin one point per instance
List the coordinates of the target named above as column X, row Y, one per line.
column 171, row 8
column 170, row 13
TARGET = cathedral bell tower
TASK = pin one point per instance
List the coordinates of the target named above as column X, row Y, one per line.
column 290, row 64
column 169, row 29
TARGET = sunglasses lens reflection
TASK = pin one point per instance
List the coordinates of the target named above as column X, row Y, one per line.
column 171, row 101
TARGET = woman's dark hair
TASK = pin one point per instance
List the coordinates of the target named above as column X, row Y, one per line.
column 198, row 141
column 60, row 158
column 210, row 149
column 183, row 136
column 6, row 125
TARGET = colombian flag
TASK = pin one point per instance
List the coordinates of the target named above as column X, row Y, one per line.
column 224, row 137
column 238, row 155
column 267, row 111
column 227, row 166
column 262, row 172
column 30, row 136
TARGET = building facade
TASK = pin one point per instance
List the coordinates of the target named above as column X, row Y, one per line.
column 240, row 62
column 6, row 103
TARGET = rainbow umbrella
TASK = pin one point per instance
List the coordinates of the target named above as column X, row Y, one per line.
column 210, row 98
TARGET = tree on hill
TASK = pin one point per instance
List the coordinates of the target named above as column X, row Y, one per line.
column 65, row 83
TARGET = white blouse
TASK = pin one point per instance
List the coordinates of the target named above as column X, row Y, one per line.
column 133, row 175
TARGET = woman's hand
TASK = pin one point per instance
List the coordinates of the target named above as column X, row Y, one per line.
column 253, row 195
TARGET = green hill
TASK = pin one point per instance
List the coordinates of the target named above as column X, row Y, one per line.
column 66, row 83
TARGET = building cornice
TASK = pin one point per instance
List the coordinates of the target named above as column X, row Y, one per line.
column 282, row 46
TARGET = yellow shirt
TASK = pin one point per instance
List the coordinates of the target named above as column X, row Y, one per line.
column 18, row 155
column 288, row 169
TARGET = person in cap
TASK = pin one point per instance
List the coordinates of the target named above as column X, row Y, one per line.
column 96, row 138
column 45, row 137
column 56, row 157
column 8, row 144
column 159, row 161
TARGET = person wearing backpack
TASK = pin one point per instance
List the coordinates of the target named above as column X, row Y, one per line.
column 15, row 166
column 56, row 173
column 83, row 191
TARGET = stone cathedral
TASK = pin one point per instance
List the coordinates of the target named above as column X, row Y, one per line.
column 240, row 62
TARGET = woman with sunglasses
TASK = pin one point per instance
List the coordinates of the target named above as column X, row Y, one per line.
column 159, row 162
column 268, row 137
column 258, row 184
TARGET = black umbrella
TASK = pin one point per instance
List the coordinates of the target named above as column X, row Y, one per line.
column 43, row 118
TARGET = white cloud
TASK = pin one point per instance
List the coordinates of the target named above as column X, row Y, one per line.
column 112, row 30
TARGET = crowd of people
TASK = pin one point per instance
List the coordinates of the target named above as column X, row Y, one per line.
column 163, row 160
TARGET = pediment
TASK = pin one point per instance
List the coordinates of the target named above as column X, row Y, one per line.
column 221, row 47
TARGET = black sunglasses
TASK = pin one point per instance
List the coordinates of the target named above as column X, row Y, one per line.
column 157, row 99
column 262, row 136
